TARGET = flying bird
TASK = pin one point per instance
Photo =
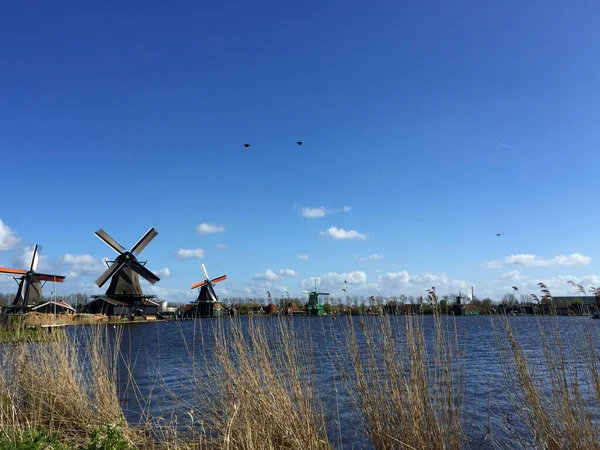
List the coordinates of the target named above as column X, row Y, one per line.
column 499, row 234
column 299, row 142
column 246, row 145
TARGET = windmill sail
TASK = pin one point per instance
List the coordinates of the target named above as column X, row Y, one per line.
column 207, row 302
column 29, row 292
column 125, row 270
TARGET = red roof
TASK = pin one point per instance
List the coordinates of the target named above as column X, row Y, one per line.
column 270, row 308
column 293, row 308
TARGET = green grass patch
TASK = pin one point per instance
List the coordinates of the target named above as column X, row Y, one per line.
column 105, row 438
column 30, row 335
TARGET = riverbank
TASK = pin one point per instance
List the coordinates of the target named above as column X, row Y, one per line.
column 30, row 335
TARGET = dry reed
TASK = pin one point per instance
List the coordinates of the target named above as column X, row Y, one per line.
column 267, row 398
column 555, row 395
column 257, row 389
column 66, row 387
column 408, row 398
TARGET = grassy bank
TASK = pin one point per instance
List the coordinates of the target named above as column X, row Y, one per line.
column 30, row 335
column 258, row 390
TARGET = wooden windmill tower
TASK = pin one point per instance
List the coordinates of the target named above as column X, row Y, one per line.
column 125, row 270
column 207, row 303
column 314, row 307
column 29, row 292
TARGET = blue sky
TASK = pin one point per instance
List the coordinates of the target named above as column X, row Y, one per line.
column 428, row 127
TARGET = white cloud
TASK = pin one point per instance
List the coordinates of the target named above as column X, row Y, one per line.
column 373, row 257
column 221, row 246
column 303, row 257
column 78, row 259
column 207, row 228
column 404, row 283
column 340, row 233
column 271, row 275
column 171, row 294
column 558, row 284
column 313, row 213
column 23, row 259
column 321, row 211
column 163, row 273
column 526, row 260
column 187, row 253
column 82, row 264
column 8, row 238
column 332, row 280
column 258, row 289
column 513, row 275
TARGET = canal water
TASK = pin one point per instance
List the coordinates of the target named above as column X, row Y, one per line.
column 159, row 359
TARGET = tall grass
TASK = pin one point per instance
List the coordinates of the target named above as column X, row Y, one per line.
column 409, row 393
column 60, row 387
column 267, row 397
column 554, row 389
column 256, row 387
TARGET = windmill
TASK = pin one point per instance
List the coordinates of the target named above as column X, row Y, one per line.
column 29, row 292
column 314, row 307
column 125, row 270
column 206, row 305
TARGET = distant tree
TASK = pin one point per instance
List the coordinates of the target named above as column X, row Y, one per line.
column 444, row 306
column 487, row 305
column 509, row 299
column 328, row 308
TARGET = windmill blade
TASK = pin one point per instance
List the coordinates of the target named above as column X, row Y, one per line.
column 211, row 292
column 197, row 285
column 205, row 272
column 141, row 270
column 103, row 236
column 35, row 259
column 25, row 290
column 219, row 279
column 323, row 293
column 306, row 292
column 12, row 271
column 145, row 240
column 114, row 267
column 46, row 277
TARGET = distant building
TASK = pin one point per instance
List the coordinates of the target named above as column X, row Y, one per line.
column 203, row 309
column 53, row 308
column 271, row 309
column 471, row 310
column 292, row 309
column 113, row 307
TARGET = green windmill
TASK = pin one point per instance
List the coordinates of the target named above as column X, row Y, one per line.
column 314, row 307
